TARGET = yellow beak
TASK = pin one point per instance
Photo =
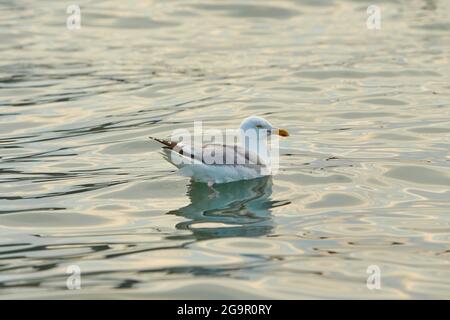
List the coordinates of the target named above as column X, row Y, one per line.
column 282, row 132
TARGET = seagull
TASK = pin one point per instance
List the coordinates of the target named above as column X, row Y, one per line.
column 216, row 163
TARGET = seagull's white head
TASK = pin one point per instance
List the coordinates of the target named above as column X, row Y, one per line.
column 258, row 123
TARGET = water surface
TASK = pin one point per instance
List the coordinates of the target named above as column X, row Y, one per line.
column 364, row 177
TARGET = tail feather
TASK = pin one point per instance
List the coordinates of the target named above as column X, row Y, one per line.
column 170, row 152
column 166, row 143
column 173, row 152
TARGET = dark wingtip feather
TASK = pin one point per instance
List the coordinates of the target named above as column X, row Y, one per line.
column 166, row 143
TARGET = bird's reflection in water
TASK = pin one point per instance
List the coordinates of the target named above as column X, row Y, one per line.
column 236, row 209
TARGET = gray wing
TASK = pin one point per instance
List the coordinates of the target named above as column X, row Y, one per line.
column 220, row 154
column 216, row 154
